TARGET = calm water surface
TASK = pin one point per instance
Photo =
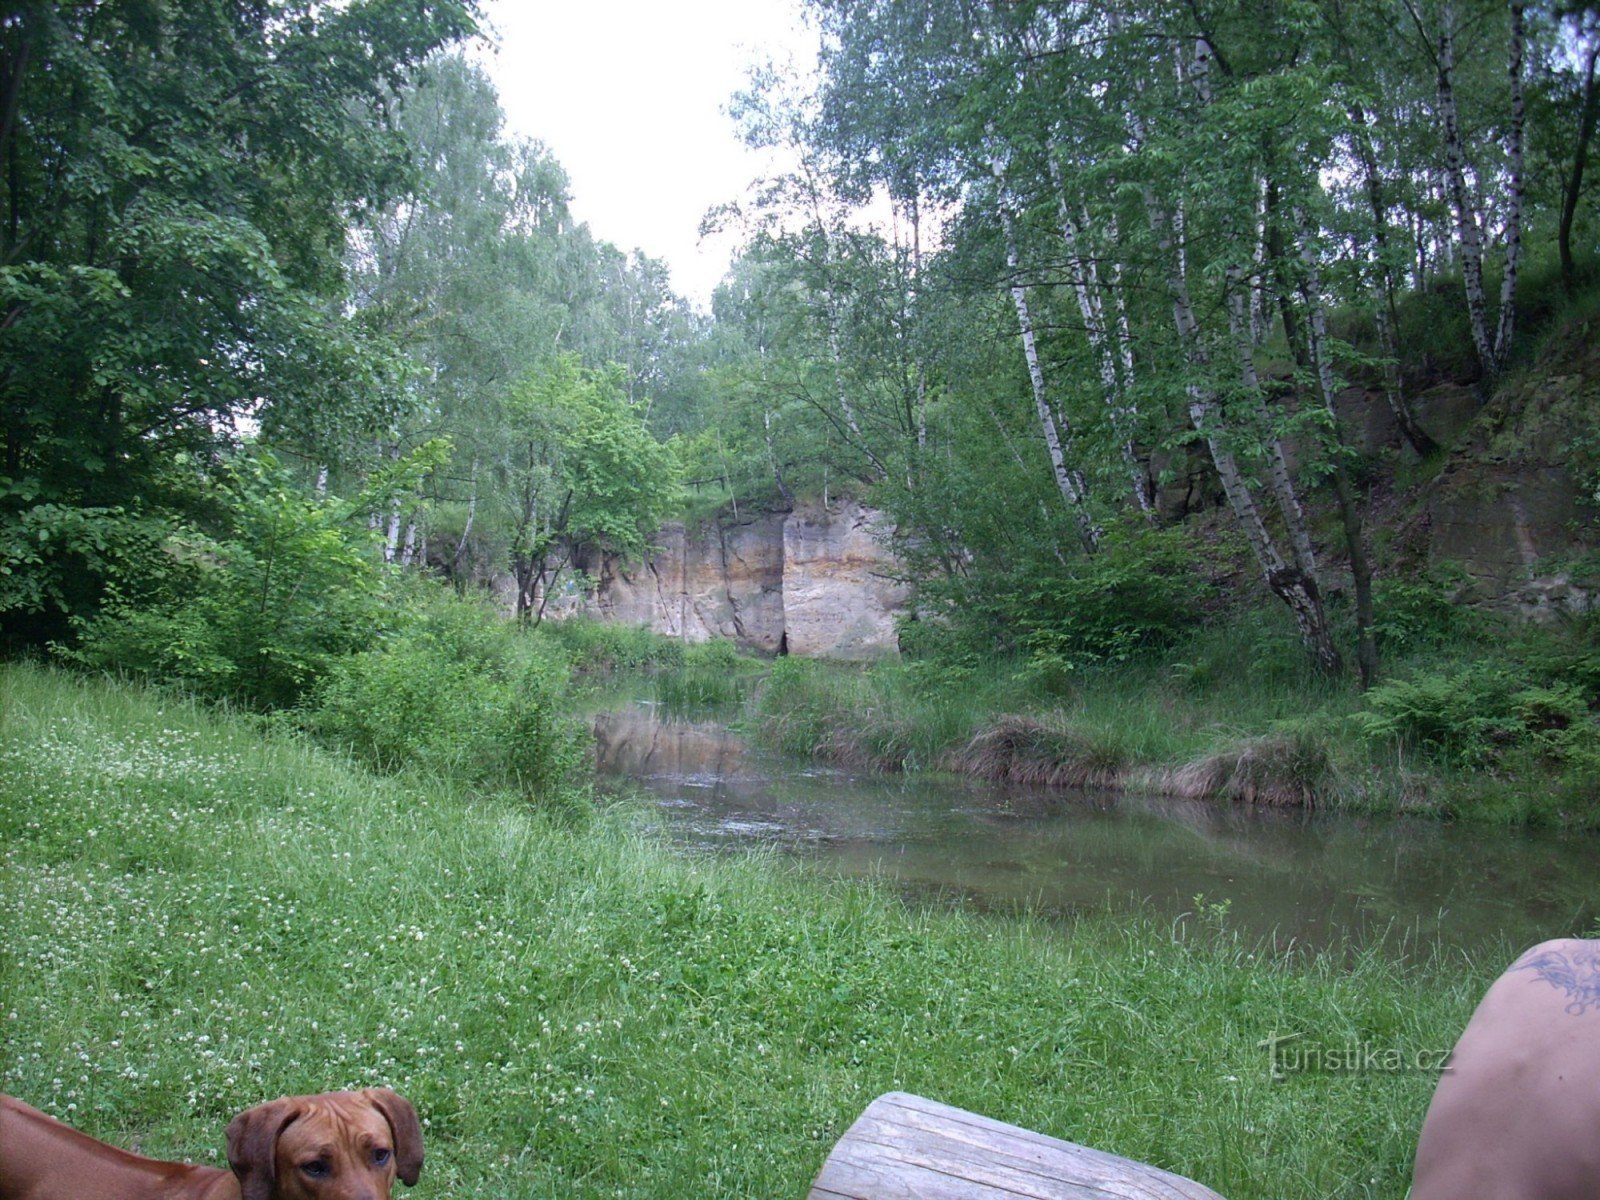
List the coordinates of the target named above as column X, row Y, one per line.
column 1313, row 878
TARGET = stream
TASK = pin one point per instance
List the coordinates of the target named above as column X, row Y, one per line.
column 1310, row 878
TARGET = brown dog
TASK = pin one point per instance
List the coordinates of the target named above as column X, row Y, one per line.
column 1517, row 1111
column 336, row 1146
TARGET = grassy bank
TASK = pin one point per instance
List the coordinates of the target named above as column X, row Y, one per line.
column 1496, row 725
column 199, row 917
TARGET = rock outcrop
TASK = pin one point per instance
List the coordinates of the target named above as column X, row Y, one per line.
column 1509, row 508
column 817, row 582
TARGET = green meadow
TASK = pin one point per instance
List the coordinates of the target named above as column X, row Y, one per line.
column 202, row 912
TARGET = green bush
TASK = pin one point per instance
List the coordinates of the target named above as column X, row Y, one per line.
column 59, row 563
column 1470, row 716
column 1422, row 614
column 259, row 610
column 1139, row 594
column 463, row 693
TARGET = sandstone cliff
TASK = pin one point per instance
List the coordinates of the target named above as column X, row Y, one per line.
column 817, row 582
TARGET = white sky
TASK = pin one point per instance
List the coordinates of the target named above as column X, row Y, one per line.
column 631, row 97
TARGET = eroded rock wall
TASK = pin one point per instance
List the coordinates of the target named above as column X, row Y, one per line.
column 816, row 582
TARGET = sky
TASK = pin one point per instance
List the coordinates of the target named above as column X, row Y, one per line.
column 631, row 98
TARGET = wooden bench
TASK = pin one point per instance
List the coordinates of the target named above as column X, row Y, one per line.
column 907, row 1148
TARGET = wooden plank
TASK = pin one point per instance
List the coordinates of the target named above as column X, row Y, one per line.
column 906, row 1147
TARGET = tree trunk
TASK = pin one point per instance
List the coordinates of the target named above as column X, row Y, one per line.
column 1386, row 312
column 1297, row 588
column 408, row 548
column 466, row 529
column 1073, row 487
column 1572, row 186
column 1091, row 306
column 1283, row 489
column 1468, row 234
column 1344, row 492
column 1508, row 284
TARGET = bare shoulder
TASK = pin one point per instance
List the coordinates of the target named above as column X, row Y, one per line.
column 1570, row 965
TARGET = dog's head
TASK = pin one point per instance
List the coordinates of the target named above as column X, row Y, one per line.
column 336, row 1146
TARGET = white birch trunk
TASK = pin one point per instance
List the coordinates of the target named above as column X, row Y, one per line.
column 1283, row 489
column 1091, row 307
column 1069, row 482
column 408, row 548
column 1202, row 403
column 1513, row 235
column 1468, row 232
column 391, row 540
column 1296, row 587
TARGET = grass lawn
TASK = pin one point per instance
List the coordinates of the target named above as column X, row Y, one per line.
column 198, row 917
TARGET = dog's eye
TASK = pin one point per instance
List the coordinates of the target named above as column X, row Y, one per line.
column 316, row 1168
column 380, row 1156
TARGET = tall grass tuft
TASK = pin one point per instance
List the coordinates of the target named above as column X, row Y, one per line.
column 1048, row 753
column 1287, row 768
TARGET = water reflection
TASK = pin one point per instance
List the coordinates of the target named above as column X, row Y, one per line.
column 1313, row 878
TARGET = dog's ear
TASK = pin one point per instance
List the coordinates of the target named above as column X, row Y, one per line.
column 402, row 1118
column 253, row 1146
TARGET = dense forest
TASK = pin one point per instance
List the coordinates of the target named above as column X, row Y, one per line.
column 290, row 317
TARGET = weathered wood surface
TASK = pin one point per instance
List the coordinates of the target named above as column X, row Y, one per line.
column 907, row 1148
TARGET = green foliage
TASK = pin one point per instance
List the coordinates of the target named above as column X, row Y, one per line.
column 60, row 561
column 598, row 646
column 1138, row 595
column 1135, row 596
column 258, row 611
column 1472, row 715
column 460, row 693
column 581, row 469
column 1419, row 614
column 179, row 177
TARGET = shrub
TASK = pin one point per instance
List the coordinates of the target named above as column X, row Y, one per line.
column 59, row 562
column 1421, row 614
column 461, row 692
column 1458, row 716
column 1137, row 595
column 1470, row 716
column 257, row 612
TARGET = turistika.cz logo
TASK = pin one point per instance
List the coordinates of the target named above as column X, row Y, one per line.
column 1288, row 1054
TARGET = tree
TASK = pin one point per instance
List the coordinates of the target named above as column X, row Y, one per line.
column 578, row 469
column 177, row 183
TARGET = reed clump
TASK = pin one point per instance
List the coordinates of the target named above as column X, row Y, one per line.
column 1042, row 752
column 1279, row 769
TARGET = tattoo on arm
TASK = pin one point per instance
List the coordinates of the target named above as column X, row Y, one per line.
column 1576, row 972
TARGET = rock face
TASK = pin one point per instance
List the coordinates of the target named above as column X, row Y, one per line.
column 816, row 582
column 839, row 594
column 716, row 581
column 1508, row 509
